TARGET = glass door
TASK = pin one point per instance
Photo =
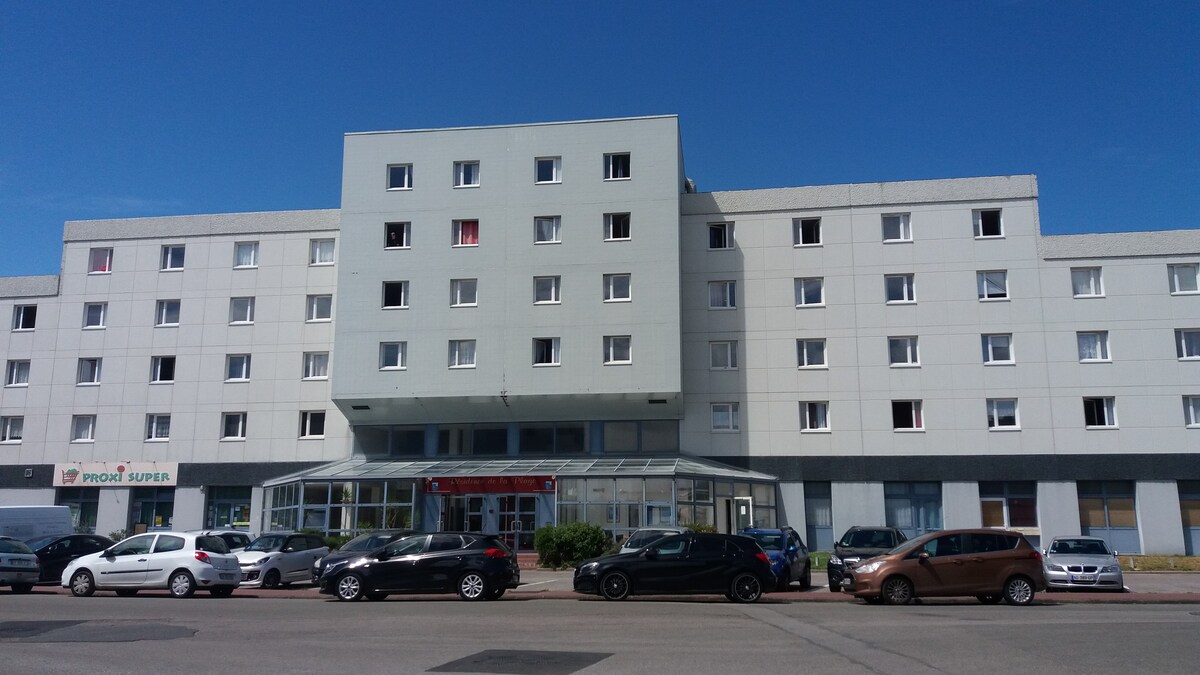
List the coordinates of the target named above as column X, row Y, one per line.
column 743, row 510
column 517, row 518
column 461, row 513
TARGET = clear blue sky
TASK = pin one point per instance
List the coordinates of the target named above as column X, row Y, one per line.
column 124, row 109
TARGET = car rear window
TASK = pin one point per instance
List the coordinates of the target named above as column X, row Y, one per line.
column 988, row 543
column 645, row 538
column 13, row 546
column 167, row 543
column 770, row 541
column 235, row 541
column 211, row 544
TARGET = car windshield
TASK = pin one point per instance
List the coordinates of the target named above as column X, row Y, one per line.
column 366, row 542
column 866, row 539
column 13, row 546
column 770, row 541
column 643, row 538
column 267, row 542
column 1079, row 547
column 39, row 542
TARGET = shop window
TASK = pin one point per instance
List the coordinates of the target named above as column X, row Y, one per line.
column 84, row 504
column 1107, row 510
column 1008, row 505
column 151, row 508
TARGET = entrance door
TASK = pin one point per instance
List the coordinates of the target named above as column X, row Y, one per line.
column 517, row 520
column 462, row 513
column 743, row 513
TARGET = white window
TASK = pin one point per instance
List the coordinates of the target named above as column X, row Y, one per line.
column 312, row 424
column 896, row 227
column 24, row 317
column 17, row 374
column 237, row 367
column 1099, row 412
column 616, row 166
column 83, row 428
column 100, row 261
column 241, row 310
column 810, row 353
column 320, row 251
column 245, row 255
column 172, row 257
column 724, row 417
column 720, row 236
column 616, row 226
column 94, row 314
column 547, row 170
column 1085, row 282
column 617, row 349
column 1184, row 278
column 11, row 429
column 987, row 223
column 399, row 176
column 162, row 369
column 166, row 313
column 319, row 308
column 464, row 292
column 992, row 284
column 814, row 416
column 810, row 292
column 462, row 354
column 617, row 287
column 546, row 230
column 806, row 232
column 906, row 415
column 997, row 348
column 722, row 294
column 546, row 290
column 545, row 351
column 88, row 371
column 233, row 426
column 1187, row 343
column 900, row 288
column 1093, row 346
column 466, row 174
column 1002, row 413
column 722, row 355
column 393, row 355
column 464, row 233
column 902, row 351
column 158, row 427
column 1191, row 411
column 395, row 295
column 397, row 235
column 316, row 366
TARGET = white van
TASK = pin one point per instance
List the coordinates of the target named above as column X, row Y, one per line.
column 27, row 522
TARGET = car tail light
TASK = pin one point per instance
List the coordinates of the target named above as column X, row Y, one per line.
column 497, row 553
column 1035, row 554
column 203, row 557
column 763, row 557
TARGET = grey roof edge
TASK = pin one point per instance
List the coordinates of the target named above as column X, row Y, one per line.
column 29, row 287
column 308, row 220
column 514, row 126
column 1120, row 244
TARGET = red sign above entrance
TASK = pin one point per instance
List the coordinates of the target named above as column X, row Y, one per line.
column 461, row 485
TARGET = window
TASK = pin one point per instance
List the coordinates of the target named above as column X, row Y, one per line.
column 907, row 415
column 466, row 174
column 1008, row 504
column 1191, row 411
column 1184, row 278
column 94, row 314
column 546, row 230
column 545, row 351
column 617, row 349
column 88, row 371
column 158, row 427
column 24, row 317
column 902, row 351
column 464, row 233
column 724, row 416
column 17, row 374
column 616, row 287
column 241, row 310
column 100, row 261
column 462, row 354
column 545, row 290
column 547, row 170
column 896, row 227
column 1187, row 343
column 1099, row 412
column 172, row 258
column 83, row 428
column 11, row 429
column 396, row 235
column 320, row 308
column 806, row 232
column 399, row 176
column 393, row 355
column 233, row 426
column 987, row 223
column 899, row 288
column 1085, row 282
column 722, row 355
column 997, row 348
column 237, row 367
column 395, row 295
column 245, row 254
column 320, row 252
column 722, row 294
column 810, row 292
column 316, row 366
column 312, row 424
column 1093, row 346
column 616, row 166
column 616, row 226
column 992, row 284
column 810, row 353
column 1002, row 413
column 814, row 416
column 464, row 292
column 167, row 313
column 720, row 236
column 162, row 369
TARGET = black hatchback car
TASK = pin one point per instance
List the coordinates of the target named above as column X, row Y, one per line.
column 55, row 551
column 693, row 562
column 856, row 545
column 476, row 566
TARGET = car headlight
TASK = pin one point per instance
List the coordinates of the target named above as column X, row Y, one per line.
column 868, row 568
column 587, row 568
column 834, row 560
column 260, row 562
column 1055, row 568
column 1108, row 569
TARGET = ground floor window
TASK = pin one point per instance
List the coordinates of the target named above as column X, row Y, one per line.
column 227, row 507
column 818, row 515
column 1106, row 510
column 84, row 504
column 913, row 508
column 340, row 507
column 151, row 508
column 1009, row 505
column 1189, row 507
column 694, row 501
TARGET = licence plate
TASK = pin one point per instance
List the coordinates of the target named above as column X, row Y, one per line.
column 227, row 577
column 20, row 562
column 1083, row 577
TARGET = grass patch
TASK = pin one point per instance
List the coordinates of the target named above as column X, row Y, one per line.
column 817, row 560
column 1160, row 563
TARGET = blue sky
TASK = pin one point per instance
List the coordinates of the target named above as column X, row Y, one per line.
column 125, row 109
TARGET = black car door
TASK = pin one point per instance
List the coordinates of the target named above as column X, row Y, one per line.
column 439, row 567
column 54, row 558
column 396, row 569
column 710, row 565
column 663, row 567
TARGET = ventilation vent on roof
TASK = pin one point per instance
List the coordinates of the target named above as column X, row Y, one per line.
column 658, row 401
column 689, row 185
column 361, row 407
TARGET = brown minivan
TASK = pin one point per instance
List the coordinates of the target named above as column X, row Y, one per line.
column 992, row 565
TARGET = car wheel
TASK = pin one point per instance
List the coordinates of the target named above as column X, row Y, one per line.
column 376, row 597
column 22, row 588
column 615, row 586
column 82, row 584
column 271, row 580
column 126, row 592
column 784, row 580
column 221, row 591
column 897, row 591
column 1018, row 590
column 746, row 588
column 182, row 585
column 496, row 593
column 472, row 586
column 349, row 587
column 989, row 599
column 806, row 580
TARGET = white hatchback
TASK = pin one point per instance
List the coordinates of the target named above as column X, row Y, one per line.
column 180, row 562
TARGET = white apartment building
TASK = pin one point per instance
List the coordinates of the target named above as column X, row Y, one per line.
column 506, row 327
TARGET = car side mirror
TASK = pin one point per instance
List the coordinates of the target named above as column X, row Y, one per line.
column 923, row 556
column 650, row 554
column 1115, row 554
column 792, row 549
column 108, row 553
column 383, row 555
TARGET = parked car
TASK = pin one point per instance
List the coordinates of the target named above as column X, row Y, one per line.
column 19, row 565
column 280, row 558
column 1081, row 563
column 236, row 540
column 476, row 566
column 55, row 551
column 363, row 543
column 788, row 554
column 858, row 544
column 992, row 565
column 692, row 562
column 180, row 562
column 648, row 535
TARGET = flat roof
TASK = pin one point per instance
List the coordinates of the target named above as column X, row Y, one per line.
column 513, row 126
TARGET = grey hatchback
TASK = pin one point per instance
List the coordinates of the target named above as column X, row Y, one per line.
column 19, row 565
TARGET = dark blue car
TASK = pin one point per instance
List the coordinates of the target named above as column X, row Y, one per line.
column 788, row 554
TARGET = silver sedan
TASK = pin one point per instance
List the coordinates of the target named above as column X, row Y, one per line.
column 1081, row 563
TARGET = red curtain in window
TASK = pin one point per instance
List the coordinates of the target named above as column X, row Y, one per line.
column 470, row 232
